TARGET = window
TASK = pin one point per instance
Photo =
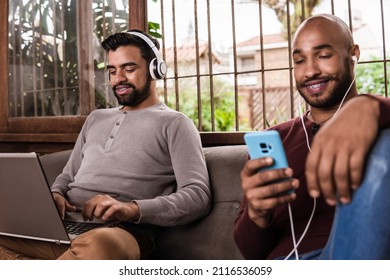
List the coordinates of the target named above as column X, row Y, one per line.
column 52, row 72
column 49, row 44
column 247, row 62
column 229, row 61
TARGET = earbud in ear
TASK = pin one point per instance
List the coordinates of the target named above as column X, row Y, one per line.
column 354, row 59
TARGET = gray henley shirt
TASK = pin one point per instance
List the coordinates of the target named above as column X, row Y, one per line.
column 152, row 156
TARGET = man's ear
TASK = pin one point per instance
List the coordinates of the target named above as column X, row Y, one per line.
column 355, row 53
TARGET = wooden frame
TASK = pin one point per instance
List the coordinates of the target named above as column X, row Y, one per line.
column 4, row 68
column 41, row 134
column 50, row 134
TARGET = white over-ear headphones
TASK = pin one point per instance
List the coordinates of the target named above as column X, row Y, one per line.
column 157, row 67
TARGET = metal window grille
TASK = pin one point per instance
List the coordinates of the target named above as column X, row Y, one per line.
column 221, row 79
column 216, row 84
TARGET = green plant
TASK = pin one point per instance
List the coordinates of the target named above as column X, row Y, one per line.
column 370, row 78
column 43, row 54
column 223, row 103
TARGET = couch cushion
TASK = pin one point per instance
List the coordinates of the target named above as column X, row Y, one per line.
column 210, row 238
column 224, row 164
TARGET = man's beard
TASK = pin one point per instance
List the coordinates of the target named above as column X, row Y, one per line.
column 336, row 96
column 136, row 97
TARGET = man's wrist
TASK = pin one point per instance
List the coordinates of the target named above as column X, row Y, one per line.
column 135, row 211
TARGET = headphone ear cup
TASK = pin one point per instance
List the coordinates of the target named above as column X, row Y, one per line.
column 157, row 69
column 153, row 68
column 161, row 69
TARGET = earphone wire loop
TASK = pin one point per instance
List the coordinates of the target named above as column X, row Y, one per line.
column 296, row 244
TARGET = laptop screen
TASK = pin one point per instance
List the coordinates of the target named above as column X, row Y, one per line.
column 27, row 208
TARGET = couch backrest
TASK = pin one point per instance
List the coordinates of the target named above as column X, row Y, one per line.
column 210, row 237
column 54, row 163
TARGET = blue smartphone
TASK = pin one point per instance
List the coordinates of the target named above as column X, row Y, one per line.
column 267, row 144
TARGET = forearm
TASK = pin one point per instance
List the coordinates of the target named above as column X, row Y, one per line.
column 181, row 207
column 61, row 185
column 252, row 241
column 381, row 107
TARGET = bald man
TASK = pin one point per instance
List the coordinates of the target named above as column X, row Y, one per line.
column 339, row 156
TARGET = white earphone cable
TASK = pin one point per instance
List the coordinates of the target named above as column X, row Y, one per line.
column 296, row 244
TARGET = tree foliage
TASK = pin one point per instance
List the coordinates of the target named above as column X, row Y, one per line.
column 298, row 13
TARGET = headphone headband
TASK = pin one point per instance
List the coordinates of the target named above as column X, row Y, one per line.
column 145, row 38
column 157, row 67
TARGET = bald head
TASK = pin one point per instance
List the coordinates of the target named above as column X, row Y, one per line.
column 327, row 31
column 330, row 24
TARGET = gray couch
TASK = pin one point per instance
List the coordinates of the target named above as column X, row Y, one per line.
column 210, row 238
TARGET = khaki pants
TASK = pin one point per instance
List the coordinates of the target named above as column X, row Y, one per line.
column 112, row 243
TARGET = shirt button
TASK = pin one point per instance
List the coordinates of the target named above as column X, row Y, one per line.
column 117, row 123
column 112, row 136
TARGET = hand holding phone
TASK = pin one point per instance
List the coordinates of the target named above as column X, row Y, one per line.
column 267, row 144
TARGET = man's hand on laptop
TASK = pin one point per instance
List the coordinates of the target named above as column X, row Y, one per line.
column 107, row 208
column 62, row 204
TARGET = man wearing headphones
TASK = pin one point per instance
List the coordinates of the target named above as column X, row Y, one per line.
column 340, row 175
column 129, row 164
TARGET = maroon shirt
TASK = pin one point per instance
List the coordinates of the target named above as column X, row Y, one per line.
column 276, row 240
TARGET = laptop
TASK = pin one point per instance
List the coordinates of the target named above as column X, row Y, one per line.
column 27, row 207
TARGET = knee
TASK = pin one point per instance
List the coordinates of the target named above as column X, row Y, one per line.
column 100, row 237
column 381, row 147
column 106, row 243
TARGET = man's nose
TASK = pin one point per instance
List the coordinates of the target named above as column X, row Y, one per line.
column 312, row 68
column 120, row 77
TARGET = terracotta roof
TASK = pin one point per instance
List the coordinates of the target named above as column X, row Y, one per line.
column 267, row 39
column 188, row 53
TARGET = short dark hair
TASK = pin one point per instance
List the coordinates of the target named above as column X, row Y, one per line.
column 116, row 40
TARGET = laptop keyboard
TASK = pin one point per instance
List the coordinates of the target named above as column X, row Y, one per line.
column 77, row 228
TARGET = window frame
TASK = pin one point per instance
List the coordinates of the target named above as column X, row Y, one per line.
column 51, row 134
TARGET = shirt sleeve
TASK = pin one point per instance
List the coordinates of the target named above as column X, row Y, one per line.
column 384, row 109
column 61, row 184
column 253, row 242
column 192, row 198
